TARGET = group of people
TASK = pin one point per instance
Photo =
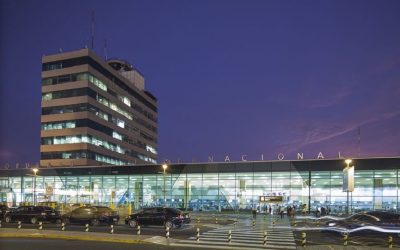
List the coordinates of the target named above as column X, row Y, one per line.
column 321, row 211
column 290, row 211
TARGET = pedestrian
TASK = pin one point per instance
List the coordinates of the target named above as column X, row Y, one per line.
column 270, row 209
column 254, row 212
column 281, row 211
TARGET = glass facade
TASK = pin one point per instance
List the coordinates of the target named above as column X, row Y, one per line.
column 213, row 186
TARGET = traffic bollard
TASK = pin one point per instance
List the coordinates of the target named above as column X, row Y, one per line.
column 265, row 238
column 273, row 223
column 216, row 220
column 86, row 227
column 345, row 239
column 234, row 224
column 167, row 232
column 254, row 223
column 111, row 229
column 390, row 241
column 63, row 226
column 229, row 236
column 303, row 239
column 19, row 225
column 0, row 223
column 138, row 230
column 198, row 235
column 40, row 225
column 198, row 220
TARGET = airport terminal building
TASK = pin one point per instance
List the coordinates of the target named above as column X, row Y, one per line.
column 212, row 186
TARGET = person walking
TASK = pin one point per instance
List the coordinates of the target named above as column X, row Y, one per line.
column 254, row 212
column 281, row 211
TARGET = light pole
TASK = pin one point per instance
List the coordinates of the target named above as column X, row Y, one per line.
column 164, row 166
column 35, row 170
column 347, row 161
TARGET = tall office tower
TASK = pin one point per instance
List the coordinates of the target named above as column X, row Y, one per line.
column 95, row 112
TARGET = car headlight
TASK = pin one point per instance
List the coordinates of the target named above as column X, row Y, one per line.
column 331, row 224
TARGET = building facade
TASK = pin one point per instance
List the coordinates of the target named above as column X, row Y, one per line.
column 95, row 112
column 213, row 186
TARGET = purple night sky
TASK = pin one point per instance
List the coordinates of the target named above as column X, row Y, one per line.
column 231, row 77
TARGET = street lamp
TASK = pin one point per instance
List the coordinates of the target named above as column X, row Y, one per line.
column 35, row 170
column 348, row 180
column 164, row 166
column 348, row 161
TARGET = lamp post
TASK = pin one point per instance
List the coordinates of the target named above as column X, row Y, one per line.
column 164, row 166
column 347, row 161
column 35, row 170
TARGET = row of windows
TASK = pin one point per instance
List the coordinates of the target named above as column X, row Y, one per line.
column 113, row 106
column 87, row 77
column 68, row 93
column 83, row 154
column 58, row 125
column 103, row 115
column 88, row 154
column 96, row 126
column 71, row 139
column 91, row 93
column 87, row 60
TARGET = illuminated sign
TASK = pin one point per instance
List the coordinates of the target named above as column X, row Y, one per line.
column 271, row 198
column 348, row 179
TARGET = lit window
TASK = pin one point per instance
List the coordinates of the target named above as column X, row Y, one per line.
column 47, row 97
column 116, row 135
column 120, row 123
column 151, row 149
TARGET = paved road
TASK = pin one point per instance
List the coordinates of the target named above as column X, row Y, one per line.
column 280, row 235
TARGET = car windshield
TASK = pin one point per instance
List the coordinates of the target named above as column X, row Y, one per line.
column 104, row 209
column 174, row 210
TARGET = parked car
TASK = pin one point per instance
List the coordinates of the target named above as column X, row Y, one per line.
column 381, row 219
column 3, row 210
column 33, row 214
column 169, row 217
column 95, row 215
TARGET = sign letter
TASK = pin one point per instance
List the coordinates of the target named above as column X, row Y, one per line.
column 300, row 156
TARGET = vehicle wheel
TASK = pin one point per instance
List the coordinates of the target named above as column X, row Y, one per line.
column 34, row 220
column 66, row 221
column 169, row 224
column 133, row 223
column 8, row 219
column 94, row 222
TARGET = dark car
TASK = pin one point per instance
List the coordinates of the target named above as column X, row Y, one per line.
column 381, row 219
column 33, row 214
column 3, row 210
column 169, row 217
column 95, row 215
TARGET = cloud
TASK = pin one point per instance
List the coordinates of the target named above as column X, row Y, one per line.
column 326, row 131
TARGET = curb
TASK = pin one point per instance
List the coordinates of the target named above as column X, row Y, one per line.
column 69, row 237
